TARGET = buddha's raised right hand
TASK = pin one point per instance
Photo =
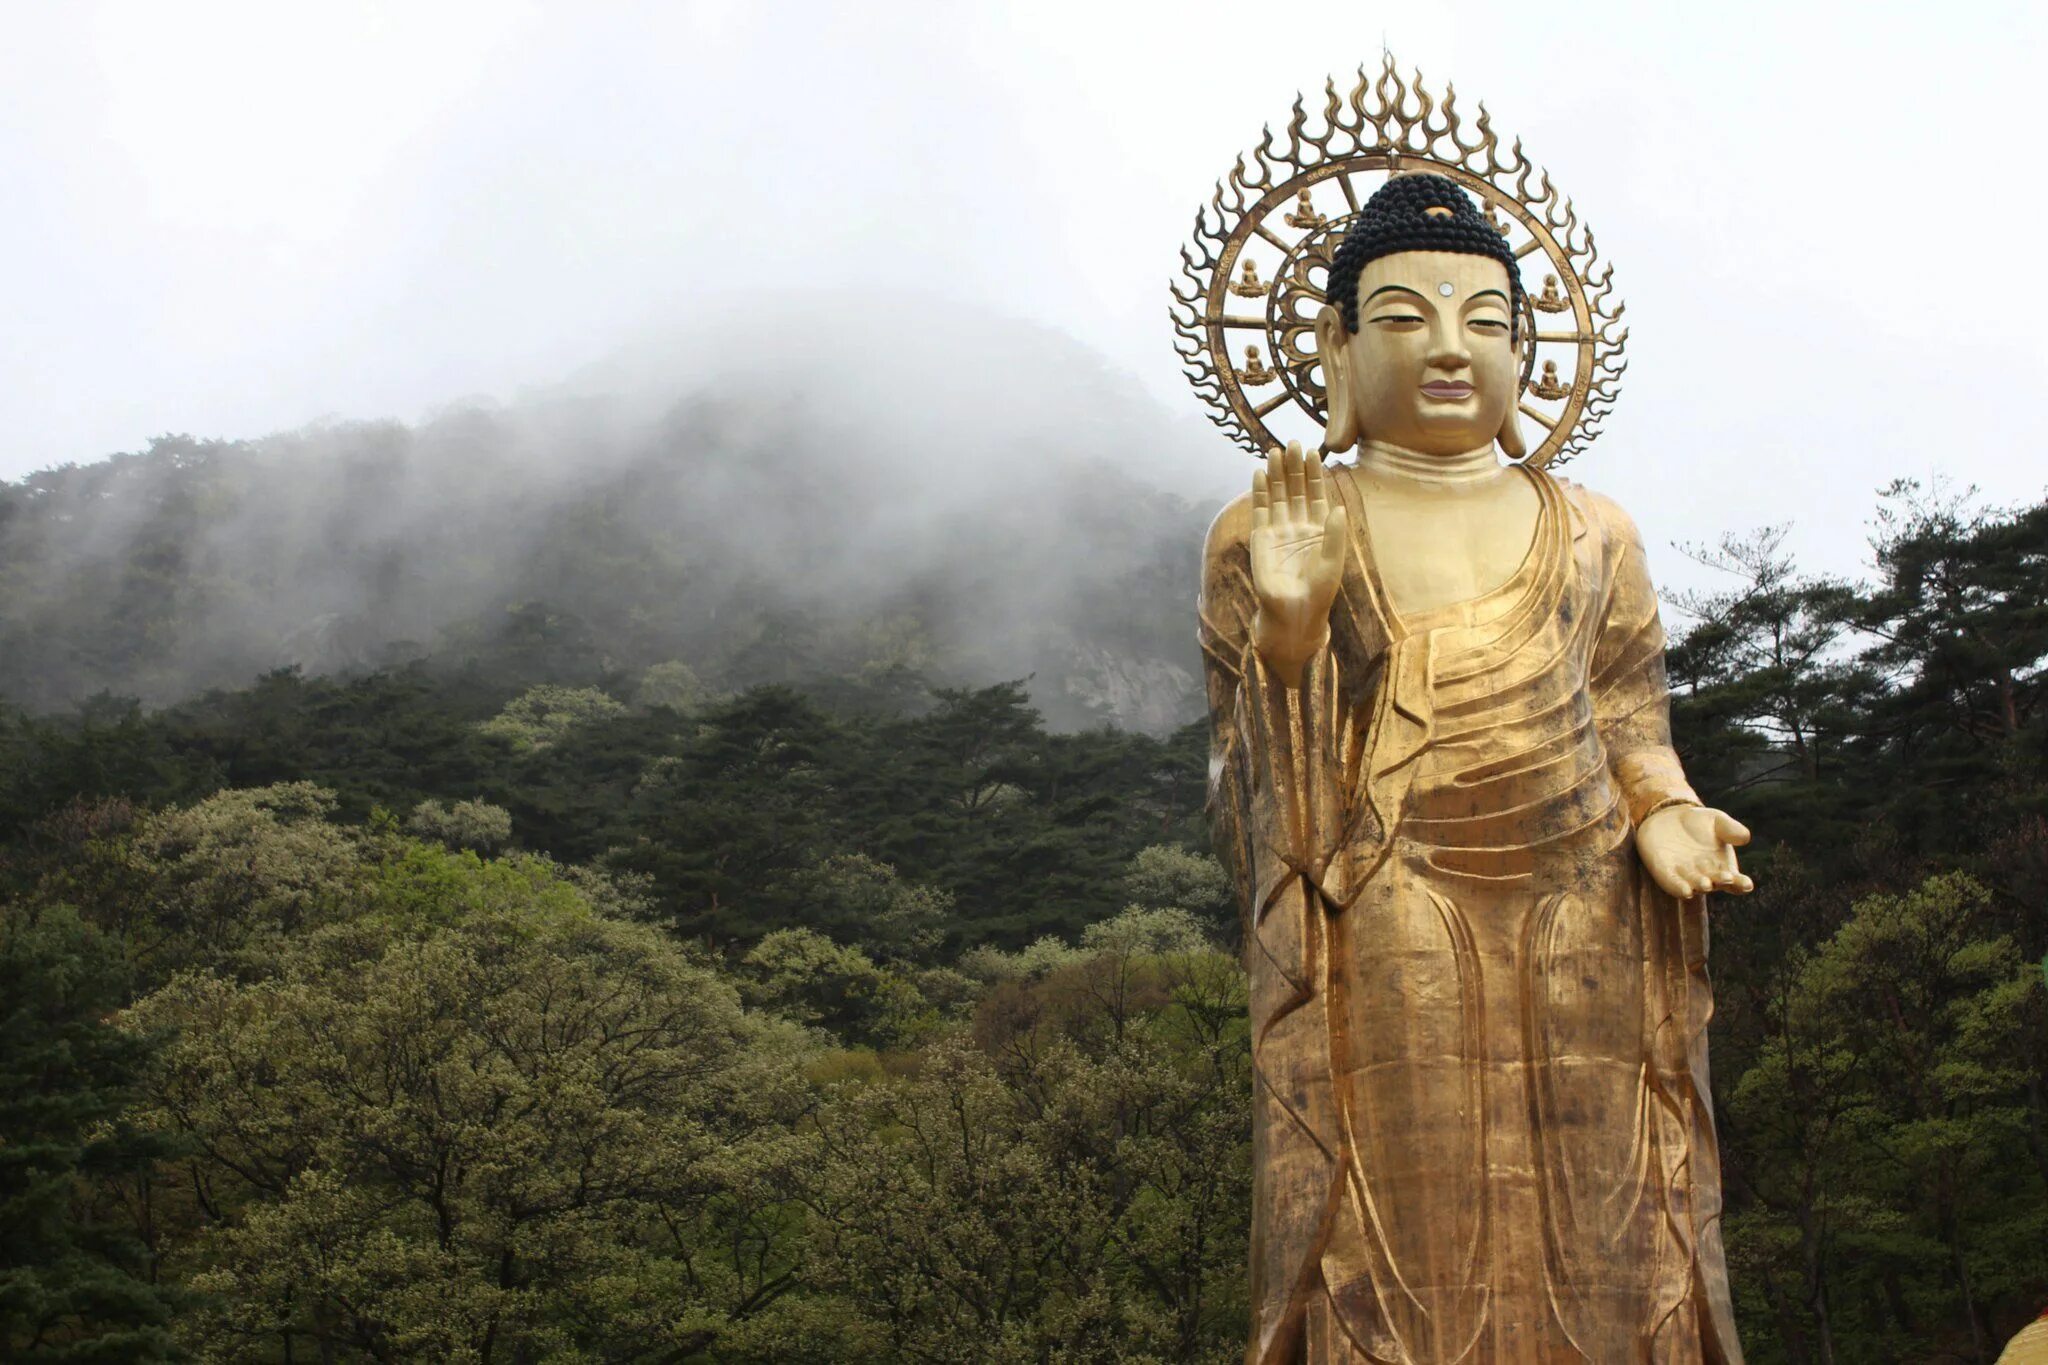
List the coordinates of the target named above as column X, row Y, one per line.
column 1298, row 546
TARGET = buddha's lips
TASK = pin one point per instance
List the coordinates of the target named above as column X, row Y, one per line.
column 1448, row 388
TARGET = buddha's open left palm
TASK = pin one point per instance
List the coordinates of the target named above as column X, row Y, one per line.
column 1690, row 850
column 1298, row 545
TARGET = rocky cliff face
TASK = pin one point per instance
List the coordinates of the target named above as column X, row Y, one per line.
column 1134, row 692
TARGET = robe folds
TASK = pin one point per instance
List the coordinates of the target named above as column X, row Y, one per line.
column 1482, row 1128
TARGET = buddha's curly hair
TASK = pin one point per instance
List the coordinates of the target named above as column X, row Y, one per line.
column 1397, row 218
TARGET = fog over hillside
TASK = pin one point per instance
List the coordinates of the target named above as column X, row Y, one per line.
column 851, row 486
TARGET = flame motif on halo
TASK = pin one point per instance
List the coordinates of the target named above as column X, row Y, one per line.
column 1386, row 126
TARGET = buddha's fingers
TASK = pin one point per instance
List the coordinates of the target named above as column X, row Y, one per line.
column 1336, row 542
column 1276, row 485
column 1729, row 830
column 1671, row 883
column 1262, row 501
column 1297, row 481
column 1318, row 490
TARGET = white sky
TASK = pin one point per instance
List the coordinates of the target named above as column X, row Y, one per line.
column 1828, row 221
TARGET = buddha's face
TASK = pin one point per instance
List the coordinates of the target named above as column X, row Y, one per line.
column 1432, row 365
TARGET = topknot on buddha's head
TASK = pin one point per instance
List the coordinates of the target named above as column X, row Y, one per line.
column 1419, row 212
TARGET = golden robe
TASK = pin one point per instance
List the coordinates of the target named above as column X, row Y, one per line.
column 1482, row 1125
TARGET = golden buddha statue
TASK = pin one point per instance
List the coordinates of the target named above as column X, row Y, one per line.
column 1550, row 301
column 1548, row 385
column 1474, row 875
column 1254, row 372
column 1248, row 284
column 2030, row 1347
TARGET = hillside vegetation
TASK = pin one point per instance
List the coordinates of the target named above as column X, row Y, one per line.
column 668, row 957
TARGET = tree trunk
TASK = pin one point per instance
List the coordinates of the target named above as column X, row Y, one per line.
column 1953, row 1235
column 1816, row 1286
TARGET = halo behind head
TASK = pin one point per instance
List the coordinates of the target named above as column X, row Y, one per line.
column 1260, row 263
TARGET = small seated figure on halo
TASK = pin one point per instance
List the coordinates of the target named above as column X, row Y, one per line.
column 1550, row 301
column 1248, row 285
column 1255, row 371
column 1549, row 386
column 1305, row 215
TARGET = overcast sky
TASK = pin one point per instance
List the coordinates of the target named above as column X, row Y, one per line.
column 1828, row 221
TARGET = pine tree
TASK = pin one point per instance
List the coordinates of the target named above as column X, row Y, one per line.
column 74, row 1287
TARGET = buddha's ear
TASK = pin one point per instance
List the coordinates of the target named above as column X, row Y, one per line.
column 1510, row 435
column 1340, row 432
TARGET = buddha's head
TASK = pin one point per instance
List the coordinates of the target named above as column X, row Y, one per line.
column 1420, row 339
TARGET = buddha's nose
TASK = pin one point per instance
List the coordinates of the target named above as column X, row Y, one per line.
column 1449, row 353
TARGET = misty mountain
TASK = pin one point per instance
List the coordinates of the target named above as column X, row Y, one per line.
column 808, row 496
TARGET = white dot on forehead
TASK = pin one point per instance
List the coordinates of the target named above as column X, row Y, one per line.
column 1447, row 289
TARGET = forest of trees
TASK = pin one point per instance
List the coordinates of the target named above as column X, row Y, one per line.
column 504, row 1005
